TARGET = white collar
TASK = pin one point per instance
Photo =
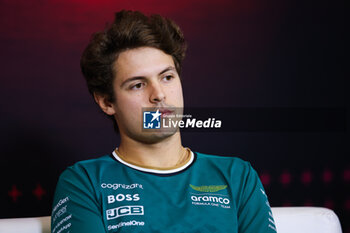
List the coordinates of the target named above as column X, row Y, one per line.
column 149, row 170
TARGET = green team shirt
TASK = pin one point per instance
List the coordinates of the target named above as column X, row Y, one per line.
column 209, row 194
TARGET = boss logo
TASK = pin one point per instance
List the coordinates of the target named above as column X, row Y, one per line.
column 124, row 211
column 122, row 197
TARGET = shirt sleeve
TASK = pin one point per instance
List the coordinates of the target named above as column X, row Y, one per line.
column 75, row 206
column 254, row 212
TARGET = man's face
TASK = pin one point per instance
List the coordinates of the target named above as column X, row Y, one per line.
column 145, row 77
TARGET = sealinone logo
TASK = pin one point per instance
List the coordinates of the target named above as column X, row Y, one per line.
column 126, row 224
column 208, row 188
column 124, row 211
column 151, row 119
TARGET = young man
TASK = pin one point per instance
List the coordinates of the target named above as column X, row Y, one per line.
column 151, row 183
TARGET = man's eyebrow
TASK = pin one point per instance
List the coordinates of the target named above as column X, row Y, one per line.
column 169, row 68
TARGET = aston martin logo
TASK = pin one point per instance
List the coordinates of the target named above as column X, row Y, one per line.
column 208, row 188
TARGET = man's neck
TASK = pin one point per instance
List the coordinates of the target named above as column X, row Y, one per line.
column 163, row 154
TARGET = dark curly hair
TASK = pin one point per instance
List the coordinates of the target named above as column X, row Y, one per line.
column 130, row 29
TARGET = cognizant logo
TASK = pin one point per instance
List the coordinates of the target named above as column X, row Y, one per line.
column 214, row 199
column 123, row 186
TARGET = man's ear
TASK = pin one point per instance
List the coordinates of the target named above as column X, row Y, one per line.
column 106, row 106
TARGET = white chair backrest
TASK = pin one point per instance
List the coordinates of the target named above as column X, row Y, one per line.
column 288, row 220
column 305, row 220
column 26, row 225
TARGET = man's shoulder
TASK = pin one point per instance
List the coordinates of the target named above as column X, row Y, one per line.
column 89, row 166
column 223, row 160
column 95, row 162
column 232, row 167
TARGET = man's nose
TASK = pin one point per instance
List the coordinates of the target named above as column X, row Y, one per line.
column 157, row 93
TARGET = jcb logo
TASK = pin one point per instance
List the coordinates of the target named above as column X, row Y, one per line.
column 123, row 211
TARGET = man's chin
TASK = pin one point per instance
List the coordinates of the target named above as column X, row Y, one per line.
column 157, row 136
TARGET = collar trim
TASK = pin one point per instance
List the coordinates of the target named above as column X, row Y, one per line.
column 148, row 170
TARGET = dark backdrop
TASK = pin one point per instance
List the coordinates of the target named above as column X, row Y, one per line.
column 242, row 54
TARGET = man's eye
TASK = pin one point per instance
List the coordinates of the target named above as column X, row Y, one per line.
column 168, row 77
column 137, row 86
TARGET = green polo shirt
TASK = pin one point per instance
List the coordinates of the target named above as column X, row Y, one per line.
column 213, row 194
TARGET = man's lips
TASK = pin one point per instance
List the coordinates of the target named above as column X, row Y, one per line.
column 165, row 112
